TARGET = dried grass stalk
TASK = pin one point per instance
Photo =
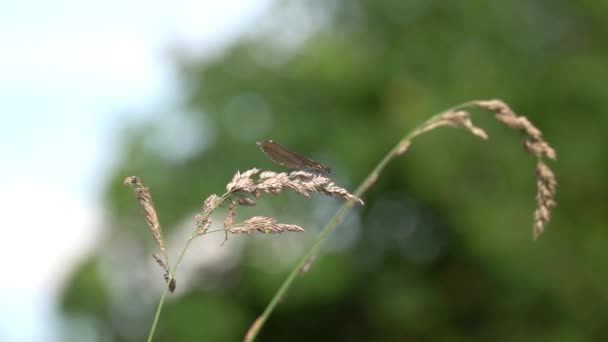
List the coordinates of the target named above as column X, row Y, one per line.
column 454, row 117
column 210, row 202
column 160, row 262
column 229, row 215
column 534, row 140
column 462, row 118
column 167, row 276
column 202, row 224
column 545, row 197
column 302, row 182
column 264, row 225
column 145, row 201
column 535, row 144
column 242, row 181
column 245, row 201
column 458, row 118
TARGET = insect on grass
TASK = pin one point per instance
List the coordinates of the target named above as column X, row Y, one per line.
column 282, row 156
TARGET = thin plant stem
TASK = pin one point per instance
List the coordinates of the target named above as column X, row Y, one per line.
column 332, row 224
column 162, row 297
column 179, row 260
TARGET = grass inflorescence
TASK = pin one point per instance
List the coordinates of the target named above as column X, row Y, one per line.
column 246, row 188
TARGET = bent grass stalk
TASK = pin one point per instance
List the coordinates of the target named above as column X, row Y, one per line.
column 454, row 116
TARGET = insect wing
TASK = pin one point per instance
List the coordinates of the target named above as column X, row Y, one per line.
column 287, row 158
column 283, row 156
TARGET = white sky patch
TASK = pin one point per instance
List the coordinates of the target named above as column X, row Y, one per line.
column 44, row 219
column 69, row 70
column 48, row 231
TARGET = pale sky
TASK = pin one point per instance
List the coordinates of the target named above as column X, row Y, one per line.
column 69, row 70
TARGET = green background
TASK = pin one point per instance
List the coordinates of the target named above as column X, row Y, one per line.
column 442, row 250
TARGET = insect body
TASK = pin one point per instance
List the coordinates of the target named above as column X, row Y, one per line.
column 290, row 159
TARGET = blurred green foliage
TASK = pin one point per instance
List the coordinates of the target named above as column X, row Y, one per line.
column 442, row 250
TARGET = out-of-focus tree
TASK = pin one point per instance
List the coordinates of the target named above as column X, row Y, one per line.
column 442, row 250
